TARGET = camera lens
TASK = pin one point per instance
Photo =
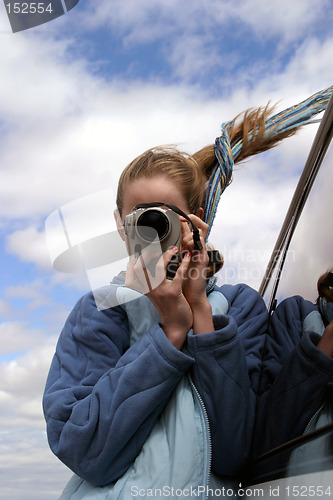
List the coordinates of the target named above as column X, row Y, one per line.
column 152, row 223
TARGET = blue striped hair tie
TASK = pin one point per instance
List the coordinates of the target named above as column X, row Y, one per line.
column 221, row 176
column 227, row 153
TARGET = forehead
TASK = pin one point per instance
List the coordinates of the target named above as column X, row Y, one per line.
column 147, row 190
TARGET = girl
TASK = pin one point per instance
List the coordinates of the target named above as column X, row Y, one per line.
column 120, row 407
column 156, row 396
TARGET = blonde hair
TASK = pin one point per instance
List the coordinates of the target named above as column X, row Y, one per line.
column 191, row 172
column 179, row 167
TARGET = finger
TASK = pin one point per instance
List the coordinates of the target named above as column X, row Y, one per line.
column 161, row 265
column 188, row 243
column 135, row 278
column 200, row 224
column 186, row 227
column 200, row 259
column 186, row 233
column 168, row 254
column 163, row 262
column 181, row 273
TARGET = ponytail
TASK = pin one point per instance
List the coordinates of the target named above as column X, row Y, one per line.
column 250, row 133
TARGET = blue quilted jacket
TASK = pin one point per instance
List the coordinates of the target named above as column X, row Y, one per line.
column 295, row 377
column 125, row 408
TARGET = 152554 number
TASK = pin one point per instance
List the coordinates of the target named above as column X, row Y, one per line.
column 29, row 8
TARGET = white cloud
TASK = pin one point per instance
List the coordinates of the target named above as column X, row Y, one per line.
column 5, row 309
column 43, row 79
column 29, row 245
column 90, row 152
column 310, row 64
column 248, row 221
column 191, row 55
column 287, row 20
column 28, row 470
column 18, row 337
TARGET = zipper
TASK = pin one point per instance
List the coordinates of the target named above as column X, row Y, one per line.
column 207, row 427
column 306, row 430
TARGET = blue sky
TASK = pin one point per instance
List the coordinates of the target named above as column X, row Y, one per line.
column 83, row 95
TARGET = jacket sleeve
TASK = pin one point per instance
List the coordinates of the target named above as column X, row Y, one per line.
column 226, row 374
column 294, row 378
column 103, row 397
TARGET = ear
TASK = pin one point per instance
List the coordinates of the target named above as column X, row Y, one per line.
column 120, row 226
column 201, row 213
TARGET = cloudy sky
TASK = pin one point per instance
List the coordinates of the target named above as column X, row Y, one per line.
column 83, row 95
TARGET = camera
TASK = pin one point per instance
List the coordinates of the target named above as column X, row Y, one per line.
column 152, row 227
column 157, row 228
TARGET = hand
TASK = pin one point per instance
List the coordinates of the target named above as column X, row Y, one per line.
column 326, row 342
column 167, row 296
column 138, row 275
column 194, row 287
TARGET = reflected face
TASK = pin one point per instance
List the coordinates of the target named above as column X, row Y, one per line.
column 148, row 190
